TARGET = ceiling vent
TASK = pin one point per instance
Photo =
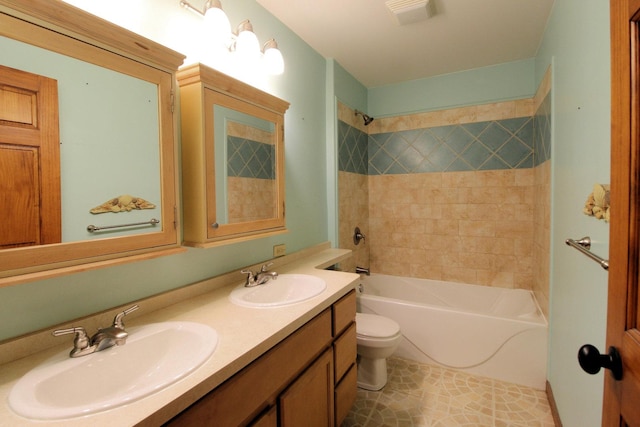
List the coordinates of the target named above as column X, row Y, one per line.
column 410, row 11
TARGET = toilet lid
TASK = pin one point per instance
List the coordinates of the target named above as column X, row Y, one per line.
column 372, row 325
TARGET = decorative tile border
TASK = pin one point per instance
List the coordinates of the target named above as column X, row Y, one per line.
column 506, row 143
column 453, row 116
column 492, row 145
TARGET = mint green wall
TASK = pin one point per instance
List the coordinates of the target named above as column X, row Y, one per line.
column 350, row 91
column 42, row 304
column 513, row 80
column 577, row 43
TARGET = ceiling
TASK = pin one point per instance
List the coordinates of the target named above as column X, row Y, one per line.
column 364, row 38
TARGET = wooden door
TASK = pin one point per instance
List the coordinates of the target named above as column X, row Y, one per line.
column 622, row 398
column 29, row 160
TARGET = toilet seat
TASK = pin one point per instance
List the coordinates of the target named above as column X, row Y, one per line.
column 374, row 326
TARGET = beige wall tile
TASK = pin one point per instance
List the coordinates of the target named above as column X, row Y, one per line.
column 486, row 227
column 480, row 224
column 353, row 211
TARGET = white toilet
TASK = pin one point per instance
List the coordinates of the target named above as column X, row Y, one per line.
column 377, row 337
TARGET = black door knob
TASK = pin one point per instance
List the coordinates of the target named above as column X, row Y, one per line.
column 591, row 360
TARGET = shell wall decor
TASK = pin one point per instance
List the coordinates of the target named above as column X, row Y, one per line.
column 598, row 202
column 124, row 203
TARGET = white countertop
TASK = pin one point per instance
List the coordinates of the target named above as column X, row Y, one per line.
column 244, row 334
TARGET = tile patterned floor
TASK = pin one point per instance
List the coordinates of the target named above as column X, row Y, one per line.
column 420, row 395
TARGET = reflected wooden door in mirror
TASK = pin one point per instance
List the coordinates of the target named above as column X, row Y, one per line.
column 112, row 138
column 232, row 159
column 29, row 160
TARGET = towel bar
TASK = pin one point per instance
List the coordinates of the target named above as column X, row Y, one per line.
column 92, row 228
column 584, row 246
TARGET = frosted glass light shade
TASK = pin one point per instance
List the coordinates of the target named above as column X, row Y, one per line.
column 217, row 23
column 273, row 60
column 247, row 46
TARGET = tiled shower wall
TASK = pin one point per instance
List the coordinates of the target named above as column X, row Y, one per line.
column 542, row 194
column 459, row 195
column 353, row 187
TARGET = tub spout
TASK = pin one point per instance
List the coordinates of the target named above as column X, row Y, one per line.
column 362, row 270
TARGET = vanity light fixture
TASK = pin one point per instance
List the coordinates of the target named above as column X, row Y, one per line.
column 244, row 42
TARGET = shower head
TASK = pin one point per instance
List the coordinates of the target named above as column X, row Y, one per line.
column 367, row 119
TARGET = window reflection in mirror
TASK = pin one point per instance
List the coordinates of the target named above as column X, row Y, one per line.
column 245, row 167
column 108, row 147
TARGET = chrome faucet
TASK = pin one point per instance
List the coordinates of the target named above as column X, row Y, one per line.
column 104, row 338
column 259, row 278
column 363, row 270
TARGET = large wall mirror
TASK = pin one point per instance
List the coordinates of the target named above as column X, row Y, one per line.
column 99, row 182
column 232, row 158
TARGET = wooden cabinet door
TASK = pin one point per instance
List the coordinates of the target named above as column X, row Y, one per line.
column 622, row 397
column 29, row 160
column 309, row 400
column 268, row 419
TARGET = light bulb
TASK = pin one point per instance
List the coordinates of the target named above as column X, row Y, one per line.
column 216, row 24
column 273, row 60
column 217, row 21
column 247, row 45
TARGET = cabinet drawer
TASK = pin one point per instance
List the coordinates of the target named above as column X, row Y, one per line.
column 245, row 395
column 344, row 312
column 345, row 350
column 346, row 392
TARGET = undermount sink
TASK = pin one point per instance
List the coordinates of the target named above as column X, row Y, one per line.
column 154, row 356
column 285, row 290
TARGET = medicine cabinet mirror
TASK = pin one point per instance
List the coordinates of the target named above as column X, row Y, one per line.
column 108, row 122
column 232, row 159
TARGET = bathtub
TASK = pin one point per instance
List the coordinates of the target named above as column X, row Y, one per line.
column 492, row 332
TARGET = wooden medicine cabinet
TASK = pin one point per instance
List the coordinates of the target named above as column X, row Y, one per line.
column 232, row 159
column 111, row 131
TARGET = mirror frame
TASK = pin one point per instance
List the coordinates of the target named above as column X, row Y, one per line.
column 201, row 88
column 65, row 29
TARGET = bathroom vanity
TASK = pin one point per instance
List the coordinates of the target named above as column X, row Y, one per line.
column 271, row 366
column 294, row 382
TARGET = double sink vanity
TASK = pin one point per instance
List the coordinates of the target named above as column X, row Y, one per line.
column 271, row 359
column 280, row 351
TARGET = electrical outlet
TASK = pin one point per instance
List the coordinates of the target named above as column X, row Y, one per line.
column 279, row 250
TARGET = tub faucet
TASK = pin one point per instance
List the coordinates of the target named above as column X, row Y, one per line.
column 103, row 339
column 259, row 278
column 362, row 270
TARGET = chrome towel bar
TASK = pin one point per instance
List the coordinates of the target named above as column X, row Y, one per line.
column 584, row 246
column 92, row 228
